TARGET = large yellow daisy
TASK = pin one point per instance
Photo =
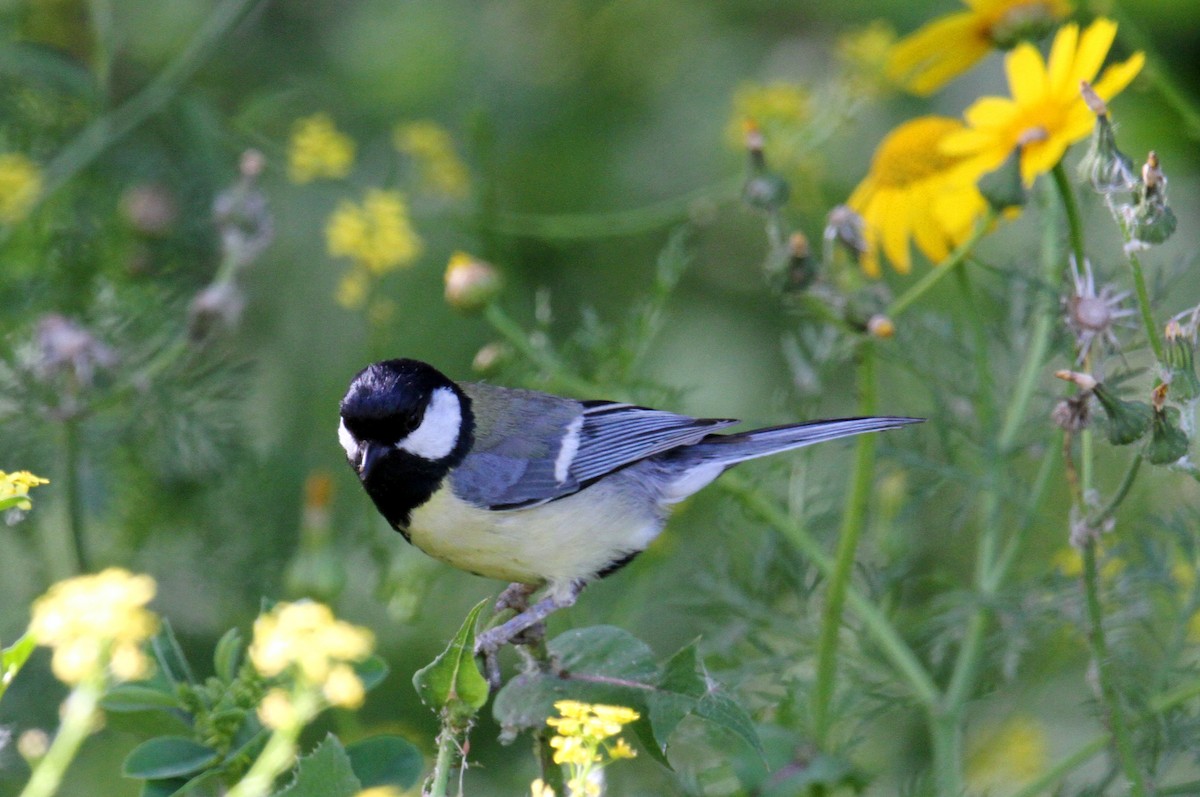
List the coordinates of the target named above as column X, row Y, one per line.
column 926, row 60
column 915, row 191
column 1046, row 113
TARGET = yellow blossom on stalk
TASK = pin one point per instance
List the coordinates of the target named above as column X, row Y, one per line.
column 779, row 109
column 95, row 624
column 377, row 234
column 1007, row 756
column 914, row 190
column 318, row 149
column 20, row 185
column 14, row 489
column 943, row 49
column 864, row 51
column 305, row 643
column 1046, row 113
column 584, row 741
column 432, row 149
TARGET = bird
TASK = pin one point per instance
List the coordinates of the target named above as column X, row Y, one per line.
column 543, row 491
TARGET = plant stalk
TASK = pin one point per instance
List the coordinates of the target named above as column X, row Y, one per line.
column 80, row 711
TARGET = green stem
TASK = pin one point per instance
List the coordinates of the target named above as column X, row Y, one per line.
column 72, row 453
column 557, row 374
column 440, row 778
column 1122, row 491
column 1116, row 718
column 1143, row 296
column 110, row 128
column 278, row 755
column 1074, row 224
column 936, row 274
column 854, row 520
column 79, row 719
column 876, row 624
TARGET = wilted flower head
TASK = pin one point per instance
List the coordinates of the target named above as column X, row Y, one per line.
column 1105, row 167
column 96, row 624
column 1091, row 314
column 318, row 149
column 67, row 349
column 149, row 208
column 242, row 215
column 1150, row 219
column 20, row 185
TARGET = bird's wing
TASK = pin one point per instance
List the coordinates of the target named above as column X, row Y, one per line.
column 532, row 447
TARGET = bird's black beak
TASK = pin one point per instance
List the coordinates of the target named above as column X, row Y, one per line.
column 369, row 455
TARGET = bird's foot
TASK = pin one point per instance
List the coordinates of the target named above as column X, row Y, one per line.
column 527, row 629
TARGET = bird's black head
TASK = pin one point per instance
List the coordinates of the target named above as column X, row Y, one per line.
column 404, row 426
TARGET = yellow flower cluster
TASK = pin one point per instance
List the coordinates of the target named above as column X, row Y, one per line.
column 305, row 642
column 20, row 185
column 780, row 110
column 14, row 489
column 581, row 740
column 377, row 236
column 96, row 623
column 318, row 149
column 864, row 54
column 439, row 169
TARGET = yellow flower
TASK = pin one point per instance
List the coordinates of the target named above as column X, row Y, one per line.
column 1069, row 562
column 539, row 789
column 14, row 489
column 581, row 741
column 914, row 190
column 439, row 168
column 943, row 49
column 318, row 149
column 779, row 109
column 96, row 623
column 20, row 185
column 377, row 235
column 1006, row 756
column 865, row 52
column 307, row 636
column 1046, row 113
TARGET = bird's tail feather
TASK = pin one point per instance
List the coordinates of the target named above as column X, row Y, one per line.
column 730, row 449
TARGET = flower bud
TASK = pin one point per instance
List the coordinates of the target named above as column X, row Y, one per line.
column 845, row 226
column 1167, row 441
column 1105, row 167
column 491, row 357
column 880, row 326
column 471, row 284
column 801, row 268
column 1127, row 420
column 1150, row 219
column 766, row 191
column 1179, row 364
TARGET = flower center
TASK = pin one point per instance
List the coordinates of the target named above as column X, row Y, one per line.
column 1092, row 312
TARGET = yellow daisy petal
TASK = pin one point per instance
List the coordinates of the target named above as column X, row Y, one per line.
column 989, row 112
column 926, row 60
column 1118, row 76
column 1093, row 47
column 1062, row 59
column 1026, row 73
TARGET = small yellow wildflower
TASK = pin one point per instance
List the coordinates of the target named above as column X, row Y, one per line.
column 14, row 489
column 318, row 149
column 780, row 110
column 582, row 741
column 539, row 789
column 307, row 636
column 20, row 185
column 943, row 49
column 864, row 52
column 353, row 288
column 1007, row 756
column 1047, row 113
column 431, row 148
column 377, row 235
column 96, row 623
column 276, row 709
column 915, row 190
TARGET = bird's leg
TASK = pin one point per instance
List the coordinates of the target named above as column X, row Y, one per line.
column 489, row 642
column 516, row 597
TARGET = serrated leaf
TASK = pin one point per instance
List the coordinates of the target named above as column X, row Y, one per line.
column 721, row 710
column 13, row 658
column 326, row 772
column 385, row 761
column 454, row 677
column 167, row 757
column 138, row 697
column 228, row 655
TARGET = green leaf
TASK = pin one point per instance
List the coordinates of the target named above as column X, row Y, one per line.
column 138, row 697
column 163, row 787
column 169, row 655
column 371, row 671
column 13, row 658
column 167, row 757
column 721, row 710
column 454, row 677
column 228, row 655
column 326, row 772
column 385, row 761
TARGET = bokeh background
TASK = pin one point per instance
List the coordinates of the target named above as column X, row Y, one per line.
column 591, row 131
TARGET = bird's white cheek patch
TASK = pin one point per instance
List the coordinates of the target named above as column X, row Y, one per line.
column 438, row 433
column 348, row 442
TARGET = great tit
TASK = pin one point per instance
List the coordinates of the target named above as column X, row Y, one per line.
column 536, row 489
